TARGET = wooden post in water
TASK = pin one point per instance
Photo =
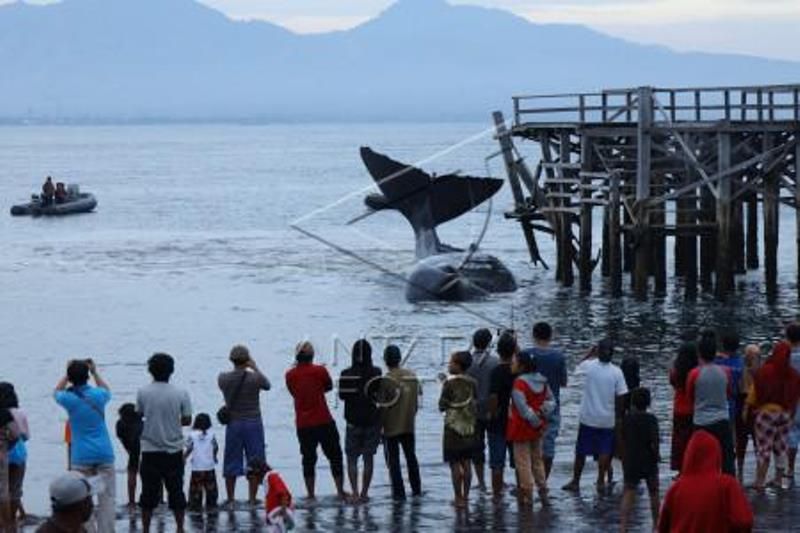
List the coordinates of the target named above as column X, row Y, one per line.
column 642, row 212
column 770, row 208
column 725, row 257
column 504, row 138
column 752, row 230
column 614, row 234
column 707, row 240
column 585, row 259
column 737, row 231
column 797, row 190
column 568, row 275
column 659, row 242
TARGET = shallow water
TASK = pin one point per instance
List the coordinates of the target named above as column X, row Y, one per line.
column 190, row 252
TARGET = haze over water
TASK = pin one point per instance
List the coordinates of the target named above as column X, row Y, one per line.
column 190, row 252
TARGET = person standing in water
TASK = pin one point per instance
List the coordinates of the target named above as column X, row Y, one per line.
column 129, row 432
column 166, row 410
column 363, row 434
column 642, row 454
column 551, row 363
column 398, row 415
column 308, row 383
column 531, row 403
column 244, row 434
column 682, row 404
column 502, row 382
column 604, row 384
column 460, row 440
column 483, row 363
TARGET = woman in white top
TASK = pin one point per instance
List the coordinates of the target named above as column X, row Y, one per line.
column 202, row 448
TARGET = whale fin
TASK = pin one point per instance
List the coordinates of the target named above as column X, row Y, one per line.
column 425, row 200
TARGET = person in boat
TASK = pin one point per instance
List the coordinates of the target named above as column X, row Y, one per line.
column 60, row 193
column 48, row 191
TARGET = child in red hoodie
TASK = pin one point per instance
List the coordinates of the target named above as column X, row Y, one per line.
column 704, row 499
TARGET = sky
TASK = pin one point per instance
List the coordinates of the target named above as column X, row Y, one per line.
column 766, row 28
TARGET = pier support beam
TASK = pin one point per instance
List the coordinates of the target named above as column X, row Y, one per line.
column 707, row 241
column 797, row 202
column 752, row 231
column 614, row 234
column 659, row 243
column 770, row 208
column 643, row 172
column 585, row 259
column 566, row 246
column 725, row 256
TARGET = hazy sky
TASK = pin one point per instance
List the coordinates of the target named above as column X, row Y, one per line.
column 758, row 27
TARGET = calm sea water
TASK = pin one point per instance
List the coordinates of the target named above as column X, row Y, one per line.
column 191, row 251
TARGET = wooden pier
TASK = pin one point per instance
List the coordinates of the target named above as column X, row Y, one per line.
column 692, row 168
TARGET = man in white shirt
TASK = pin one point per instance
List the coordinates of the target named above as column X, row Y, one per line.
column 604, row 383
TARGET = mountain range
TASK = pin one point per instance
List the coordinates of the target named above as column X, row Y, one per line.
column 134, row 60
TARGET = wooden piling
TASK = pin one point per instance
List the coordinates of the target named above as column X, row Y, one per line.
column 643, row 175
column 752, row 231
column 585, row 259
column 797, row 194
column 707, row 241
column 659, row 244
column 567, row 274
column 724, row 258
column 770, row 209
column 614, row 234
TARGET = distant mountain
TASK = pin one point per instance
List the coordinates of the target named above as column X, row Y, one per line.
column 419, row 59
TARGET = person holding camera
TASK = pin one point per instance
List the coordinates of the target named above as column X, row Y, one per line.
column 91, row 453
column 244, row 434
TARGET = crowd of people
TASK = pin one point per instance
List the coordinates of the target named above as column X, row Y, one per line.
column 508, row 405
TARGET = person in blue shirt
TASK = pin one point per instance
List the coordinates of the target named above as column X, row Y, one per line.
column 729, row 357
column 551, row 363
column 92, row 453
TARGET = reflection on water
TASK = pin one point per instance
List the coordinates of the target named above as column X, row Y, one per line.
column 190, row 252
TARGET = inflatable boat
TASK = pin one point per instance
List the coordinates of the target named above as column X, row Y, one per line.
column 76, row 202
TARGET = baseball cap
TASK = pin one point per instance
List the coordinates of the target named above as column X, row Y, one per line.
column 70, row 488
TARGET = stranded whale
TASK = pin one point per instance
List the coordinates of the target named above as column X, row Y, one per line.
column 443, row 272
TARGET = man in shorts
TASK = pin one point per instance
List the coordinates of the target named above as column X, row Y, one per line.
column 363, row 433
column 604, row 383
column 165, row 409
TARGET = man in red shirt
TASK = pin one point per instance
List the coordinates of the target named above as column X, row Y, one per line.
column 308, row 384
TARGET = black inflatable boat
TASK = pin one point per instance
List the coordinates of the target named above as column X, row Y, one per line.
column 76, row 202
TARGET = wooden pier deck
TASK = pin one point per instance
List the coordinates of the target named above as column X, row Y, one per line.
column 696, row 168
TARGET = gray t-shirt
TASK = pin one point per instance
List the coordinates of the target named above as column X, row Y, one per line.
column 246, row 405
column 163, row 405
column 481, row 370
column 711, row 395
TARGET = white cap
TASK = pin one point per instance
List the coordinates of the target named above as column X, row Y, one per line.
column 70, row 488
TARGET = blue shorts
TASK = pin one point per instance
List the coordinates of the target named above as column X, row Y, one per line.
column 794, row 433
column 498, row 449
column 551, row 432
column 594, row 441
column 244, row 441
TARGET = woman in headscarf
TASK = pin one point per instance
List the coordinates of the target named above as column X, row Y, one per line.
column 704, row 499
column 773, row 397
column 682, row 406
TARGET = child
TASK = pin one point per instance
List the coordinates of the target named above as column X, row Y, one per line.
column 129, row 432
column 202, row 447
column 277, row 498
column 460, row 441
column 531, row 404
column 640, row 431
column 752, row 362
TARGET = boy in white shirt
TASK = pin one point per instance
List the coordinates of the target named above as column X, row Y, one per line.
column 604, row 383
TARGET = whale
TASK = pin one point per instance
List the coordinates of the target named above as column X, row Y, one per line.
column 442, row 272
